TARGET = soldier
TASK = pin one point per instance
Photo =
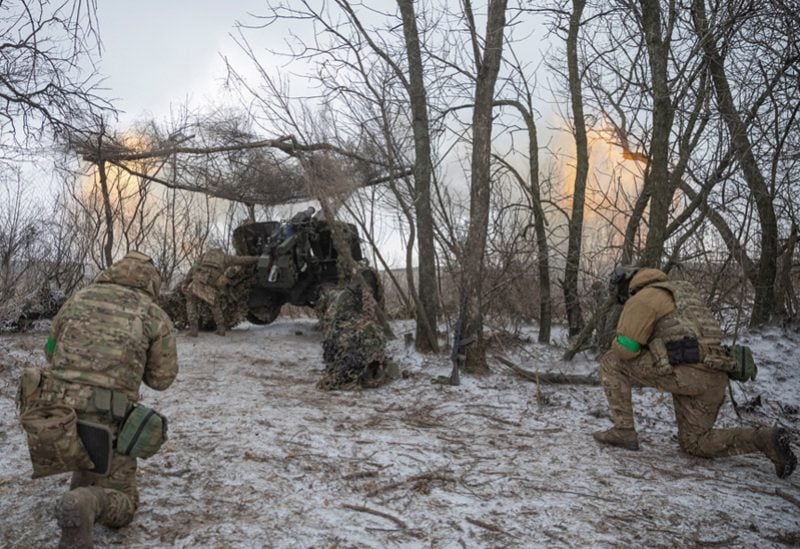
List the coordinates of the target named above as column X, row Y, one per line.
column 205, row 280
column 354, row 344
column 668, row 339
column 105, row 340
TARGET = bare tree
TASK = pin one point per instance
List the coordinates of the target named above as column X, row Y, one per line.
column 764, row 282
column 487, row 65
column 571, row 292
column 46, row 81
column 19, row 240
column 423, row 168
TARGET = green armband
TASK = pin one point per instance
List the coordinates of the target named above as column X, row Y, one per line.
column 50, row 346
column 628, row 344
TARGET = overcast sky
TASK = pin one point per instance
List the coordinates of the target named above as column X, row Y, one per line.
column 162, row 52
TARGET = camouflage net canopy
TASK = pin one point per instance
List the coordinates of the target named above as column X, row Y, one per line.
column 354, row 344
column 18, row 313
column 232, row 298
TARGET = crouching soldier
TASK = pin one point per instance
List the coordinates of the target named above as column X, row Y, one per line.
column 668, row 339
column 205, row 281
column 82, row 414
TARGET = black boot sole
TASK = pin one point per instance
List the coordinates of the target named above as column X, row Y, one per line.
column 787, row 460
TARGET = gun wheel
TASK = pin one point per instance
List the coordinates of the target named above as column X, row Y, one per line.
column 263, row 315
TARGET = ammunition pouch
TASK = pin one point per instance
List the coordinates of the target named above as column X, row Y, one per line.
column 143, row 433
column 113, row 403
column 53, row 441
column 683, row 351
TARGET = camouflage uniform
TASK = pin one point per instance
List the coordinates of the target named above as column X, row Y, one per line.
column 661, row 312
column 206, row 278
column 354, row 343
column 112, row 336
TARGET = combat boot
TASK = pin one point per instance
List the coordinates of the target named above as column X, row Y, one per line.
column 774, row 443
column 76, row 513
column 624, row 438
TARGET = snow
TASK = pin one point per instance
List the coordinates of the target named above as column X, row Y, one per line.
column 258, row 456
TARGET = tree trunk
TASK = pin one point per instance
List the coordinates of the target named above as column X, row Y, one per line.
column 575, row 238
column 108, row 244
column 427, row 308
column 764, row 282
column 543, row 248
column 657, row 180
column 480, row 185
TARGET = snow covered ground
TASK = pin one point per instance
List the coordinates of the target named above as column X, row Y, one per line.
column 258, row 457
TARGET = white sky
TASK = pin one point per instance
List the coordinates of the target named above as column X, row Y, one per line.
column 159, row 54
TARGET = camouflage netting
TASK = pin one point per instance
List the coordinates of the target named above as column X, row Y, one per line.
column 233, row 301
column 19, row 312
column 354, row 343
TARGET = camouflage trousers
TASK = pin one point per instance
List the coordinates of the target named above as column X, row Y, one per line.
column 122, row 494
column 120, row 484
column 193, row 315
column 697, row 396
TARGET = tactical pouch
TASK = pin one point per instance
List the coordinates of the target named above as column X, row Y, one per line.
column 683, row 351
column 53, row 441
column 29, row 384
column 111, row 402
column 143, row 433
column 746, row 366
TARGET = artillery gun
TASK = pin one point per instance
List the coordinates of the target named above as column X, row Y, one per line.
column 297, row 259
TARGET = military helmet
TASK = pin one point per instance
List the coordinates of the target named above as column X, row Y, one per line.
column 620, row 280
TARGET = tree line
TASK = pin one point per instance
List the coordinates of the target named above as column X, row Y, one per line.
column 531, row 143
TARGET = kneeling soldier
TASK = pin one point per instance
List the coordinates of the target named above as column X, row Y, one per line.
column 668, row 339
column 105, row 341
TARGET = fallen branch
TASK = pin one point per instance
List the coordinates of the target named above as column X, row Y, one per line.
column 486, row 525
column 494, row 418
column 362, row 509
column 549, row 377
column 788, row 497
column 360, row 474
column 416, row 478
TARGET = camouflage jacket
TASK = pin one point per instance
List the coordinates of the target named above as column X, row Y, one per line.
column 113, row 335
column 643, row 310
column 210, row 268
column 665, row 310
